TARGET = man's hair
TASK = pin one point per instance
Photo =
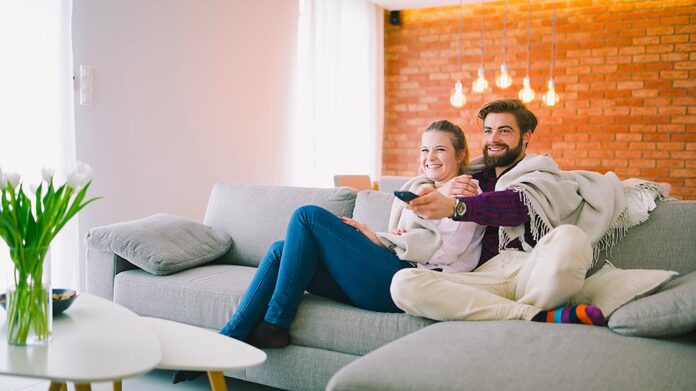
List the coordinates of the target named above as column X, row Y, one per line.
column 526, row 120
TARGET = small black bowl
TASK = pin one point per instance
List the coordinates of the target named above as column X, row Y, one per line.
column 59, row 304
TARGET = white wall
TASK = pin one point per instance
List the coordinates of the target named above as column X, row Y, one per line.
column 186, row 93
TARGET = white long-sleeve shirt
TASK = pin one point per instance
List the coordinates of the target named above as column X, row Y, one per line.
column 460, row 249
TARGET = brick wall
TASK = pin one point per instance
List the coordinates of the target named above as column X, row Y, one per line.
column 625, row 70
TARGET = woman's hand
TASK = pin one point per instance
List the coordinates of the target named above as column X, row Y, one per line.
column 363, row 229
column 461, row 186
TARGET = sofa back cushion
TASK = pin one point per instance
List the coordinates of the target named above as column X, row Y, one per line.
column 666, row 241
column 373, row 208
column 255, row 216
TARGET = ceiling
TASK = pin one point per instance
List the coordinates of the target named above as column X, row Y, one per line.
column 394, row 5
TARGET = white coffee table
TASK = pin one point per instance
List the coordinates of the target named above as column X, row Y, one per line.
column 94, row 340
column 193, row 348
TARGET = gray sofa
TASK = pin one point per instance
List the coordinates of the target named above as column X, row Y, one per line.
column 338, row 347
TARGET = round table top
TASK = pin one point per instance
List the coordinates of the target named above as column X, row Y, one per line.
column 94, row 340
column 194, row 348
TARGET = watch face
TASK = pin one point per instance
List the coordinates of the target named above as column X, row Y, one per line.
column 460, row 208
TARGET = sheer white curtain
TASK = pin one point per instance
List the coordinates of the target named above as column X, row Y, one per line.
column 36, row 109
column 337, row 111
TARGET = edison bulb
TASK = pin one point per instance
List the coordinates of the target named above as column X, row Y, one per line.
column 551, row 97
column 457, row 99
column 480, row 84
column 503, row 80
column 526, row 93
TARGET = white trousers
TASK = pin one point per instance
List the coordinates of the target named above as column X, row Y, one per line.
column 511, row 285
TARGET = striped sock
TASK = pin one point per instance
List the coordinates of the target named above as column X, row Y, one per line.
column 581, row 313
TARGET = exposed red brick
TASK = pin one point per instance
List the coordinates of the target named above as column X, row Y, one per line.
column 625, row 71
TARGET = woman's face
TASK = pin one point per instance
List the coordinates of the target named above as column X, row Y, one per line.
column 438, row 158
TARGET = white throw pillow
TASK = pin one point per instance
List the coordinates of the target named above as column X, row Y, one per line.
column 611, row 287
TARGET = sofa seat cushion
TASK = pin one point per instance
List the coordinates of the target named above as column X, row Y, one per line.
column 327, row 324
column 519, row 355
column 206, row 296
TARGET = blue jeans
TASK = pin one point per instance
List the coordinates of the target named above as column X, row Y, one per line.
column 324, row 256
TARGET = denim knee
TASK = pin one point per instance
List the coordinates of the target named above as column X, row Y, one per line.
column 307, row 212
column 276, row 250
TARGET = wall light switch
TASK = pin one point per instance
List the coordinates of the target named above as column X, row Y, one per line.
column 86, row 85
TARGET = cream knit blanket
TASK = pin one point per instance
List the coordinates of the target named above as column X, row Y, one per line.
column 601, row 205
column 422, row 238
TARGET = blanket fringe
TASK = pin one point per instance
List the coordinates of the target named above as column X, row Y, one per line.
column 617, row 230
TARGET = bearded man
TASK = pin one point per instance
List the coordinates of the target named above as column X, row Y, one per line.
column 544, row 227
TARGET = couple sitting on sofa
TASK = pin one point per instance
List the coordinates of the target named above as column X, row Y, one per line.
column 452, row 253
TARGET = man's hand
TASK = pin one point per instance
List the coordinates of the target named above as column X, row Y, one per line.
column 432, row 205
column 461, row 186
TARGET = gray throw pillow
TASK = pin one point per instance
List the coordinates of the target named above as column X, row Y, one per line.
column 161, row 244
column 669, row 312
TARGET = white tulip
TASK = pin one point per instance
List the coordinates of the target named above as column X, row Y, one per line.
column 2, row 182
column 76, row 179
column 47, row 173
column 12, row 178
column 0, row 172
column 32, row 188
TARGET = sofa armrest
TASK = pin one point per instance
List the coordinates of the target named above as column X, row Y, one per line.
column 101, row 269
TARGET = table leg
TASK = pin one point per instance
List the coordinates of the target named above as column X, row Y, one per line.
column 83, row 387
column 217, row 381
column 118, row 385
column 57, row 386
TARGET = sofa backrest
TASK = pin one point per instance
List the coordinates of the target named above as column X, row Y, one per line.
column 373, row 208
column 666, row 241
column 256, row 216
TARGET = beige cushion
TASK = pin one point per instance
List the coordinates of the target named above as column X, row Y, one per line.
column 611, row 287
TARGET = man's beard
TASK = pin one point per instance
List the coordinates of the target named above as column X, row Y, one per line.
column 505, row 160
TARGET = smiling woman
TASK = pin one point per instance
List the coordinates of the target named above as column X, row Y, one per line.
column 443, row 152
column 37, row 125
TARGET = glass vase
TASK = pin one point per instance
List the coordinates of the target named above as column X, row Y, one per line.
column 29, row 302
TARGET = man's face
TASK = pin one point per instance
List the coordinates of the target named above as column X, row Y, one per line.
column 503, row 142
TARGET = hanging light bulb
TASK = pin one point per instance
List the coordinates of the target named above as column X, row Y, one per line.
column 503, row 80
column 457, row 99
column 526, row 94
column 551, row 97
column 481, row 84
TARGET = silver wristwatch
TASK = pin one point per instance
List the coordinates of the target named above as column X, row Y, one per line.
column 459, row 209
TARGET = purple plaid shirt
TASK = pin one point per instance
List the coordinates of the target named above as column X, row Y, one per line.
column 495, row 209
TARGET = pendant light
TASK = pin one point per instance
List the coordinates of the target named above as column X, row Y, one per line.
column 481, row 84
column 458, row 99
column 503, row 80
column 526, row 94
column 551, row 97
